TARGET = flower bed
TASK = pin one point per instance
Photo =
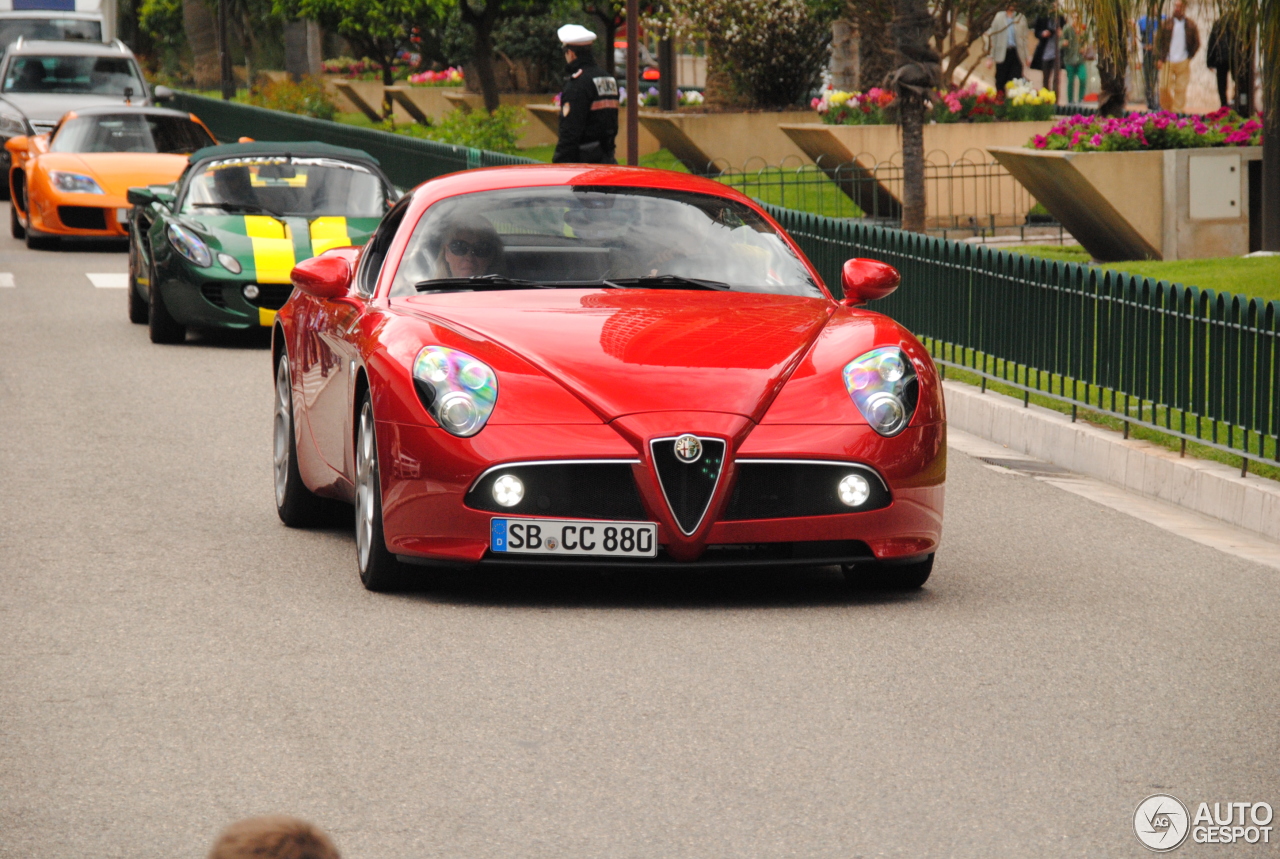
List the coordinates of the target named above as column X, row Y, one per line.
column 1020, row 102
column 451, row 76
column 1147, row 131
column 366, row 69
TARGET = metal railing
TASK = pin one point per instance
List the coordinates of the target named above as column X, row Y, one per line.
column 970, row 195
column 1198, row 365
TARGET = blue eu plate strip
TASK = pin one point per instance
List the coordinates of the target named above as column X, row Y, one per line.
column 498, row 535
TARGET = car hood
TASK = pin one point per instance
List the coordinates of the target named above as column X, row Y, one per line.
column 631, row 351
column 48, row 108
column 117, row 172
column 268, row 248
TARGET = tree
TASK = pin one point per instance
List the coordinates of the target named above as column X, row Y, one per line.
column 482, row 22
column 378, row 30
column 608, row 14
column 200, row 25
column 913, row 81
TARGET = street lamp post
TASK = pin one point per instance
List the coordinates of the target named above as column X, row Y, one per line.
column 633, row 82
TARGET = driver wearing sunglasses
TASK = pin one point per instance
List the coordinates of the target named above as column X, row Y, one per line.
column 470, row 248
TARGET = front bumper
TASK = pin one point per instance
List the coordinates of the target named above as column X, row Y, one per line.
column 426, row 517
column 214, row 297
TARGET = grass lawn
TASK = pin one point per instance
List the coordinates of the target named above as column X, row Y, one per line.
column 1258, row 277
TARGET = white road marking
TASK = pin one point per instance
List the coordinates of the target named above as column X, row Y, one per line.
column 6, row 280
column 111, row 280
column 1176, row 520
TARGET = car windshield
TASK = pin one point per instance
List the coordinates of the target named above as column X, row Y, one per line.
column 73, row 74
column 284, row 185
column 49, row 29
column 615, row 236
column 130, row 132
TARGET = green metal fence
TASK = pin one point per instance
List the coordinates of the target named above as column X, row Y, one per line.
column 1191, row 363
column 407, row 161
column 1198, row 365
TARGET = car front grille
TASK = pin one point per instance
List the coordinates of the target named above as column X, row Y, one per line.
column 272, row 296
column 212, row 293
column 572, row 490
column 771, row 489
column 83, row 217
column 688, row 486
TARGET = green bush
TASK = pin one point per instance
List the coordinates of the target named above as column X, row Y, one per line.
column 308, row 97
column 497, row 133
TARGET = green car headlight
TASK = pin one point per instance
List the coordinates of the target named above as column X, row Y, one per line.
column 457, row 390
column 883, row 385
column 190, row 246
column 74, row 183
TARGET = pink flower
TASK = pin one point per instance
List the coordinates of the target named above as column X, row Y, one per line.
column 1041, row 141
column 1096, row 140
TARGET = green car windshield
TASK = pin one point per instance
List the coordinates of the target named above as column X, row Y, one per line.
column 281, row 185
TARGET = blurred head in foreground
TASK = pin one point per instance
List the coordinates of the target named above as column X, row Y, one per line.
column 273, row 837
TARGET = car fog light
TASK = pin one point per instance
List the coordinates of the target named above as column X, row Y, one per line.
column 508, row 490
column 251, row 291
column 854, row 490
column 230, row 263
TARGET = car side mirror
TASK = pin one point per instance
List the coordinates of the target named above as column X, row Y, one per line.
column 866, row 280
column 161, row 93
column 140, row 196
column 326, row 276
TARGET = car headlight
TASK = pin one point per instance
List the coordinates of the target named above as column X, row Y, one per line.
column 74, row 183
column 457, row 390
column 190, row 246
column 883, row 385
column 12, row 126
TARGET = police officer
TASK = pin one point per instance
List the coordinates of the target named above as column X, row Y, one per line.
column 588, row 104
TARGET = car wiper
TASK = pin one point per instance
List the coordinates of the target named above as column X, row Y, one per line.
column 667, row 281
column 238, row 207
column 480, row 281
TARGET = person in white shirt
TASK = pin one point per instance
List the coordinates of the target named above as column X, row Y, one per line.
column 1176, row 43
column 1007, row 44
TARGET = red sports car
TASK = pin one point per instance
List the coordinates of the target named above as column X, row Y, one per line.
column 606, row 366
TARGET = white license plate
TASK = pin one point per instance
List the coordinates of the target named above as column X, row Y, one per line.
column 122, row 217
column 574, row 537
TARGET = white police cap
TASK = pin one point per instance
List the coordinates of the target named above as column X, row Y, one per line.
column 575, row 34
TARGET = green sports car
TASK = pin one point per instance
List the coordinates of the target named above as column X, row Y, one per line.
column 215, row 248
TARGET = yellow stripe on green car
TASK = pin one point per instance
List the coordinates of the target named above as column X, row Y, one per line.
column 266, row 318
column 273, row 256
column 328, row 233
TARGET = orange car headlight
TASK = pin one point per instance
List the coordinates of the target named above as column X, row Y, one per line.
column 74, row 183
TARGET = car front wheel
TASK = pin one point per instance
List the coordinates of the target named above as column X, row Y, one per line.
column 297, row 506
column 379, row 569
column 163, row 327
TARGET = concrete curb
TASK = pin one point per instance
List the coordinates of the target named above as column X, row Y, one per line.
column 1209, row 488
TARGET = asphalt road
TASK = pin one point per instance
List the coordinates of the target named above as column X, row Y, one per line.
column 172, row 658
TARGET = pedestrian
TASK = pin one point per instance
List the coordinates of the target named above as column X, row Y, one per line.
column 1008, row 39
column 1220, row 52
column 1176, row 43
column 1148, row 26
column 588, row 103
column 273, row 837
column 1045, row 60
column 1073, row 59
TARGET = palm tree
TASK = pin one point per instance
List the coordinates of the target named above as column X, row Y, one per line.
column 913, row 81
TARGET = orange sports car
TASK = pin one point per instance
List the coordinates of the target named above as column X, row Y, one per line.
column 74, row 180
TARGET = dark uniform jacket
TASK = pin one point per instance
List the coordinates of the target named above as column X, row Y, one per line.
column 588, row 115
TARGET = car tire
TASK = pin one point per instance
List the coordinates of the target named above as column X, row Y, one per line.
column 15, row 225
column 138, row 310
column 889, row 575
column 297, row 506
column 379, row 570
column 163, row 327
